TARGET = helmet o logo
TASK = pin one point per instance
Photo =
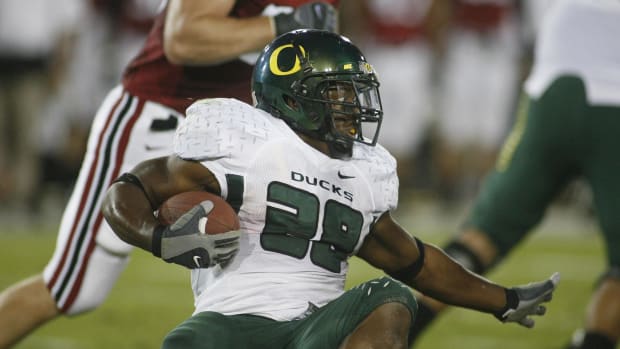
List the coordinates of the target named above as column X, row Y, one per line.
column 273, row 61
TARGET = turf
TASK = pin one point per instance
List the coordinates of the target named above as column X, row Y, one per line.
column 152, row 297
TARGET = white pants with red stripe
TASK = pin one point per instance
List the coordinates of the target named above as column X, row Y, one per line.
column 89, row 257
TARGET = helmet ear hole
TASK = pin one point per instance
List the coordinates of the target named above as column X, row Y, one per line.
column 300, row 88
column 291, row 102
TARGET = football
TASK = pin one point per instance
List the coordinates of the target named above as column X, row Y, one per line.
column 221, row 219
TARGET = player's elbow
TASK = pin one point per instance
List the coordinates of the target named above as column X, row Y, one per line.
column 111, row 209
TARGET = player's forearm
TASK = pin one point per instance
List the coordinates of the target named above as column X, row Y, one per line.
column 208, row 40
column 445, row 280
column 129, row 214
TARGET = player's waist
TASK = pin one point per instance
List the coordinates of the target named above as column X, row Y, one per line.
column 178, row 87
column 279, row 297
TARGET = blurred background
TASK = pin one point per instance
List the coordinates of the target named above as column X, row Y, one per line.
column 450, row 74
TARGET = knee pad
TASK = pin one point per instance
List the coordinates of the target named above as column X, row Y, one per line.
column 101, row 274
column 465, row 256
column 385, row 290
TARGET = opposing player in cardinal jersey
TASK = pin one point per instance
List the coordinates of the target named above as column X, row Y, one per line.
column 312, row 188
column 196, row 49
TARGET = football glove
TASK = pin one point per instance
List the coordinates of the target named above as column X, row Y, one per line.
column 185, row 243
column 523, row 301
column 314, row 15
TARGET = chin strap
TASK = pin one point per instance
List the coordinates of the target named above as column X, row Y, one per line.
column 340, row 151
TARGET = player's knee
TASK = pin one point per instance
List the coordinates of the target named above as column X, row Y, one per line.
column 180, row 338
column 391, row 320
column 387, row 290
column 100, row 276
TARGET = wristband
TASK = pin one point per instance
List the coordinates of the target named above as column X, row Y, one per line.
column 512, row 302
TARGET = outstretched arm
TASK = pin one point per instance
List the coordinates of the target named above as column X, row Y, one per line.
column 429, row 270
column 199, row 32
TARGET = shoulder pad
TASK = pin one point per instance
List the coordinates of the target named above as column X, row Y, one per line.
column 215, row 128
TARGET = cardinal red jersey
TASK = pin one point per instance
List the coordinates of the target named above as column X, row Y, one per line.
column 151, row 76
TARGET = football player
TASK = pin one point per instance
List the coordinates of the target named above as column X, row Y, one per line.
column 196, row 49
column 569, row 128
column 312, row 188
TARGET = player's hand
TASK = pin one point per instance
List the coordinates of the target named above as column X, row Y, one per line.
column 523, row 301
column 185, row 243
column 314, row 15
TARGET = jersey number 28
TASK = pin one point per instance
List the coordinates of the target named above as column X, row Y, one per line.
column 291, row 231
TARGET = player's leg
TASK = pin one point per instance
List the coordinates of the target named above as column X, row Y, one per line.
column 211, row 330
column 24, row 306
column 602, row 169
column 88, row 258
column 32, row 298
column 375, row 314
column 534, row 165
column 602, row 323
column 387, row 326
column 387, row 312
column 208, row 330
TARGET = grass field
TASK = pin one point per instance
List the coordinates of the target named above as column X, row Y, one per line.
column 152, row 297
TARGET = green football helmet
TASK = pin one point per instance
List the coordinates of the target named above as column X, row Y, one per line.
column 321, row 85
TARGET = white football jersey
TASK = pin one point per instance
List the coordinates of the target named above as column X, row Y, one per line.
column 302, row 213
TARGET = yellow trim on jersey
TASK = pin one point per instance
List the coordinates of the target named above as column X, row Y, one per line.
column 513, row 140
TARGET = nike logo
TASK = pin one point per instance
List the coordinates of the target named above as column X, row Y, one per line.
column 343, row 176
column 197, row 261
